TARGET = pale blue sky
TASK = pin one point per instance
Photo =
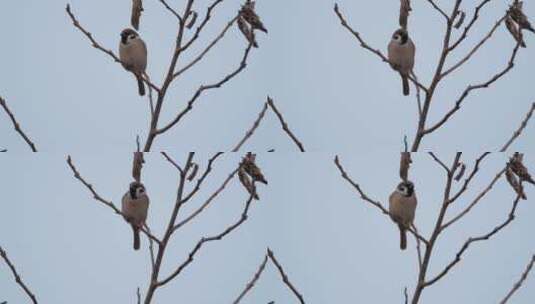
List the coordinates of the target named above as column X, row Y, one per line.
column 335, row 95
column 336, row 98
column 336, row 249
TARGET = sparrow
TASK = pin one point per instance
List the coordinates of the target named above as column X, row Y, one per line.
column 515, row 11
column 514, row 182
column 137, row 8
column 402, row 207
column 135, row 205
column 246, row 182
column 515, row 163
column 247, row 32
column 404, row 11
column 248, row 13
column 514, row 30
column 133, row 56
column 401, row 52
column 249, row 166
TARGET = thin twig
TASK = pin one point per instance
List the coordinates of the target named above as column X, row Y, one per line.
column 475, row 201
column 470, row 88
column 438, row 9
column 520, row 129
column 471, row 240
column 202, row 25
column 203, row 88
column 207, row 49
column 440, row 162
column 169, row 8
column 253, row 281
column 211, row 162
column 250, row 132
column 285, row 277
column 207, row 202
column 285, row 125
column 18, row 279
column 16, row 125
column 204, row 240
column 469, row 26
column 169, row 159
column 474, row 50
column 521, row 281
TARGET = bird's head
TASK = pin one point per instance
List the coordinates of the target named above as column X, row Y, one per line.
column 406, row 188
column 137, row 189
column 400, row 36
column 127, row 35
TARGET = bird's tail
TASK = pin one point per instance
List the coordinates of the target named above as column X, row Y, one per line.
column 406, row 88
column 402, row 237
column 137, row 241
column 140, row 85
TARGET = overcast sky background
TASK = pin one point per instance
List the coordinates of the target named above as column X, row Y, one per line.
column 336, row 97
column 335, row 248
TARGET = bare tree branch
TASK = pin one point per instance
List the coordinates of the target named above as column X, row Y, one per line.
column 203, row 88
column 285, row 277
column 18, row 279
column 207, row 202
column 470, row 25
column 250, row 132
column 16, row 125
column 285, row 125
column 440, row 162
column 475, row 201
column 253, row 281
column 469, row 178
column 204, row 240
column 520, row 129
column 521, row 281
column 208, row 48
column 474, row 50
column 438, row 9
column 471, row 88
column 170, row 9
column 471, row 240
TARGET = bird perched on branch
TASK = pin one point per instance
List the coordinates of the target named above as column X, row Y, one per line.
column 249, row 166
column 515, row 11
column 515, row 163
column 135, row 206
column 402, row 208
column 248, row 13
column 247, row 32
column 401, row 53
column 514, row 30
column 246, row 182
column 133, row 56
column 515, row 183
column 137, row 8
